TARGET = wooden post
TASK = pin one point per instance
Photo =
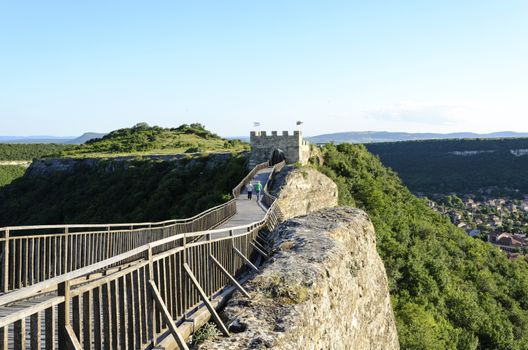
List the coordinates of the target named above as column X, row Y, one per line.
column 261, row 252
column 151, row 316
column 63, row 314
column 206, row 300
column 88, row 319
column 6, row 262
column 72, row 341
column 4, row 338
column 228, row 275
column 67, row 248
column 246, row 260
column 166, row 316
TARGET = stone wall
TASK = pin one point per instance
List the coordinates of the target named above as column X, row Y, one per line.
column 324, row 287
column 262, row 146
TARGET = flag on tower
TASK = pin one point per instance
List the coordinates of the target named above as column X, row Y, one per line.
column 256, row 124
column 299, row 122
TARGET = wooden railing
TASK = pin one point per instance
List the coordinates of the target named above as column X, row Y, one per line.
column 267, row 198
column 247, row 179
column 30, row 254
column 136, row 298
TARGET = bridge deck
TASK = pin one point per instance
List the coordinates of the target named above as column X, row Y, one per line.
column 248, row 211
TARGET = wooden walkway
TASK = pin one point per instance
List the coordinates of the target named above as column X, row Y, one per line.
column 248, row 211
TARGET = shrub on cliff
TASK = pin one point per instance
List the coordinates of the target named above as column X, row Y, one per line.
column 8, row 173
column 449, row 291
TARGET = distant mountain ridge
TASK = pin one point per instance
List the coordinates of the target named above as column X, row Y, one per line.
column 87, row 136
column 386, row 136
column 52, row 139
column 340, row 137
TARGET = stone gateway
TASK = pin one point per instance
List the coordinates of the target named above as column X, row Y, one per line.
column 294, row 147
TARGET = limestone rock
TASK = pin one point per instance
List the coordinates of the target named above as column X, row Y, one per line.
column 303, row 190
column 324, row 287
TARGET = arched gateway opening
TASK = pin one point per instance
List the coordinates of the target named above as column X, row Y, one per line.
column 277, row 156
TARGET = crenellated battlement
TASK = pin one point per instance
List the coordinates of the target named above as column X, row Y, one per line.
column 284, row 133
column 295, row 148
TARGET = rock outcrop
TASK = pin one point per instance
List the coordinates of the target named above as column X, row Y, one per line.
column 324, row 287
column 49, row 166
column 303, row 190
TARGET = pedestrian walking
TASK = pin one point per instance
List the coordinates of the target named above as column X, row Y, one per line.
column 258, row 188
column 249, row 188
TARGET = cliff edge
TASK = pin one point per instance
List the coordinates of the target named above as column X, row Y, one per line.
column 324, row 287
column 303, row 190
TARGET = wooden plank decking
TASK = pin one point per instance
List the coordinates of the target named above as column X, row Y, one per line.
column 248, row 211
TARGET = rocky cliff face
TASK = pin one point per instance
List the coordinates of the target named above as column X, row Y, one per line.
column 49, row 166
column 324, row 287
column 302, row 191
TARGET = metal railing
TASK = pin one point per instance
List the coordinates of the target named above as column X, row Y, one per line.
column 30, row 254
column 131, row 300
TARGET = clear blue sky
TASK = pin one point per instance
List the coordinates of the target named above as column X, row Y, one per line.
column 72, row 66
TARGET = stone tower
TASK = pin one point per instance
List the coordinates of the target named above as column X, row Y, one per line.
column 294, row 147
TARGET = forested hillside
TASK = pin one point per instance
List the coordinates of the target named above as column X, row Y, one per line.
column 464, row 166
column 10, row 151
column 113, row 192
column 17, row 152
column 449, row 291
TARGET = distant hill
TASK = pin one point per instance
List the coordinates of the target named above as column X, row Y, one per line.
column 462, row 166
column 143, row 139
column 385, row 136
column 34, row 139
column 87, row 136
column 51, row 139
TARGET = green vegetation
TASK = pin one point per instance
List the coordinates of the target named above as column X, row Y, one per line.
column 207, row 332
column 284, row 290
column 449, row 291
column 8, row 173
column 22, row 152
column 121, row 191
column 11, row 151
column 441, row 166
column 143, row 139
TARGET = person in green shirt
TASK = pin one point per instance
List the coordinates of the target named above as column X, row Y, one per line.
column 258, row 188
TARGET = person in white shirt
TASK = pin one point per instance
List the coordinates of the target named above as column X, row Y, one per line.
column 249, row 188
